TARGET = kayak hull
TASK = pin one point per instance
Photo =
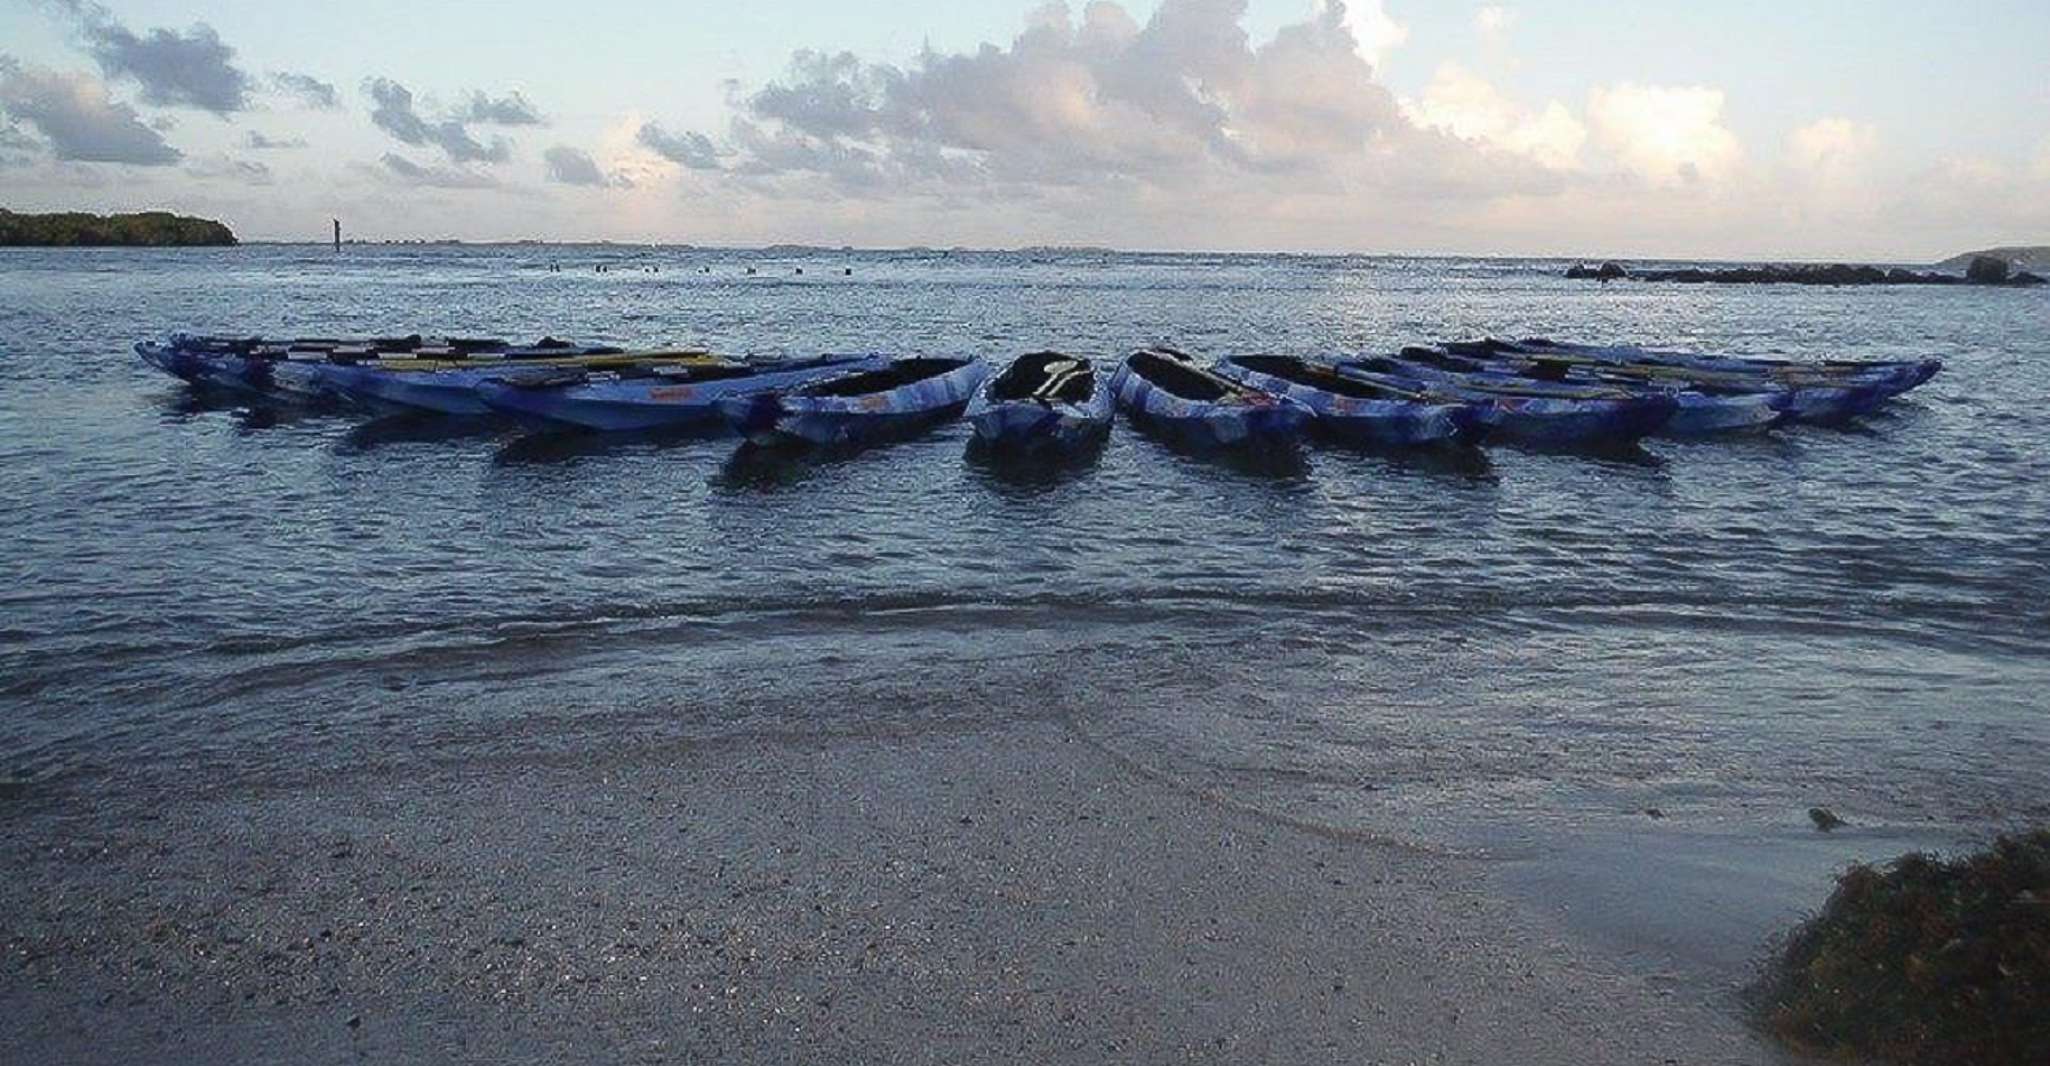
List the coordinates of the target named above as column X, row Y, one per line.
column 1358, row 420
column 1701, row 414
column 1002, row 420
column 1547, row 420
column 801, row 418
column 1256, row 419
column 653, row 404
column 1891, row 377
column 1024, row 425
column 447, row 392
column 1536, row 412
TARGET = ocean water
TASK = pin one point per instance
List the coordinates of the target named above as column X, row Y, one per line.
column 1456, row 651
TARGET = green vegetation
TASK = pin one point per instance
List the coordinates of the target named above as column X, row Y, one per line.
column 79, row 228
column 1924, row 961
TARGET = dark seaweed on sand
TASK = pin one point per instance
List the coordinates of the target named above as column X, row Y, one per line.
column 1924, row 961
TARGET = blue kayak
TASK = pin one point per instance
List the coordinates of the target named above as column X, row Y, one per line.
column 1807, row 392
column 1859, row 378
column 241, row 362
column 170, row 359
column 1042, row 400
column 1704, row 407
column 439, row 376
column 901, row 396
column 327, row 368
column 1165, row 389
column 1534, row 412
column 1357, row 410
column 644, row 399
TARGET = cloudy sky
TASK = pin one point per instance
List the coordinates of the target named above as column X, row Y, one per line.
column 1742, row 128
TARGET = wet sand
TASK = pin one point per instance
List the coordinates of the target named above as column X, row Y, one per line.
column 1011, row 894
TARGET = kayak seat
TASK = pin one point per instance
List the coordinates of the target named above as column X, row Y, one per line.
column 1048, row 377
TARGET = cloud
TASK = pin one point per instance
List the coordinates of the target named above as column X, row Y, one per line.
column 412, row 173
column 1466, row 105
column 394, row 113
column 192, row 68
column 689, row 148
column 17, row 148
column 1368, row 22
column 257, row 141
column 1493, row 20
column 571, row 166
column 74, row 113
column 1093, row 126
column 1829, row 170
column 1666, row 135
column 1102, row 99
column 223, row 168
column 1831, row 145
column 310, row 91
column 509, row 110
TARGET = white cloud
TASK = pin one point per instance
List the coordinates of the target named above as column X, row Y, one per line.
column 1833, row 156
column 1831, row 144
column 1668, row 135
column 1370, row 25
column 1493, row 20
column 1829, row 173
column 1466, row 105
column 79, row 119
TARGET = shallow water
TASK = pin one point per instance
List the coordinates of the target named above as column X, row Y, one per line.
column 1467, row 652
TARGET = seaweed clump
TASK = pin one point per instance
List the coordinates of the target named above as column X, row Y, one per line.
column 1924, row 961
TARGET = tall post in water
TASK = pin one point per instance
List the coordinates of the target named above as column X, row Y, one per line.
column 338, row 233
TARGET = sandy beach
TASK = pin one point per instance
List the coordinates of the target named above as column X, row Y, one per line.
column 1006, row 895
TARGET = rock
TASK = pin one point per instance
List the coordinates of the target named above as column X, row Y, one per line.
column 1824, row 818
column 1806, row 274
column 1986, row 270
column 355, row 1021
column 1609, row 271
column 1654, row 812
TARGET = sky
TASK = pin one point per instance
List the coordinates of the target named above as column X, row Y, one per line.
column 1824, row 129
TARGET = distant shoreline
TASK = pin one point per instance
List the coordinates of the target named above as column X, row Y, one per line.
column 79, row 229
column 2019, row 256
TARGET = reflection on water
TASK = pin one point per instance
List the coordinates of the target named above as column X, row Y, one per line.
column 570, row 446
column 1283, row 460
column 205, row 585
column 1030, row 472
column 409, row 427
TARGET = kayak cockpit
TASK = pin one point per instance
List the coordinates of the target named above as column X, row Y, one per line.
column 1317, row 376
column 896, row 375
column 1045, row 377
column 1176, row 374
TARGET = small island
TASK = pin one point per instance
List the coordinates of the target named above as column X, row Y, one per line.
column 78, row 228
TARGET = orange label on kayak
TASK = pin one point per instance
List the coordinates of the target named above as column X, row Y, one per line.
column 672, row 392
